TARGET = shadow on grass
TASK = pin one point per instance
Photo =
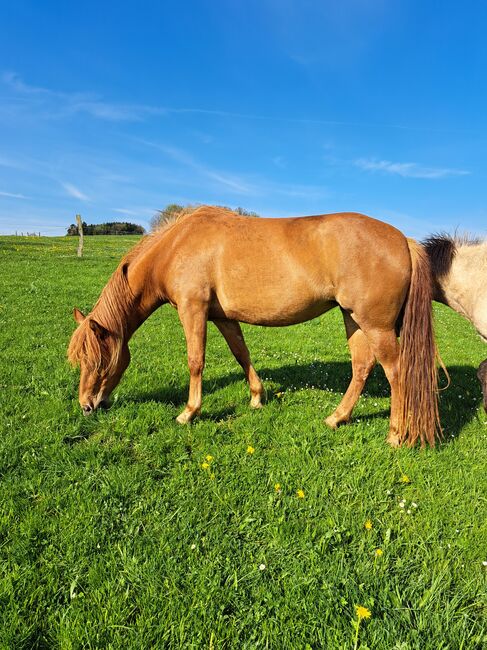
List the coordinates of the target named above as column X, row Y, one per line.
column 458, row 403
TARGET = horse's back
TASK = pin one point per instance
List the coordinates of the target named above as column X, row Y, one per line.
column 281, row 271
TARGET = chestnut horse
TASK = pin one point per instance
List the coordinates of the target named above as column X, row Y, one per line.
column 214, row 265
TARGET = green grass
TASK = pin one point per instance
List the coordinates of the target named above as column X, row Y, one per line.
column 112, row 535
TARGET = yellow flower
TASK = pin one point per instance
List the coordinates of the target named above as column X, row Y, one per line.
column 362, row 612
column 277, row 487
column 300, row 494
column 209, row 458
column 405, row 479
column 212, row 476
column 250, row 449
column 205, row 465
column 378, row 552
column 368, row 524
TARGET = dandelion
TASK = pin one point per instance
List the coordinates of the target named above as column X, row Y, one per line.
column 205, row 465
column 209, row 458
column 368, row 525
column 250, row 449
column 277, row 488
column 212, row 476
column 378, row 552
column 300, row 494
column 405, row 479
column 362, row 613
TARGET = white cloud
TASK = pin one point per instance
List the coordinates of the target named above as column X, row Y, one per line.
column 10, row 195
column 73, row 191
column 230, row 182
column 407, row 170
column 61, row 104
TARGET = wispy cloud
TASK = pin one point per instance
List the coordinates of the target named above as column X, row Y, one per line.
column 279, row 161
column 135, row 212
column 52, row 104
column 73, row 191
column 230, row 182
column 62, row 104
column 407, row 170
column 10, row 195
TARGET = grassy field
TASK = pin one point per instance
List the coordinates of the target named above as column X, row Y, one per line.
column 247, row 529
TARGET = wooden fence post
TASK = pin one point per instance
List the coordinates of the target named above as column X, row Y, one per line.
column 80, row 230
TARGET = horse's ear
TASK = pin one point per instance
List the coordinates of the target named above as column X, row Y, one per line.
column 78, row 315
column 100, row 331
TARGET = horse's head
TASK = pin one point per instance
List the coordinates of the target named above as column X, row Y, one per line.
column 103, row 358
column 482, row 375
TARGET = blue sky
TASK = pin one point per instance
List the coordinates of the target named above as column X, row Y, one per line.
column 284, row 107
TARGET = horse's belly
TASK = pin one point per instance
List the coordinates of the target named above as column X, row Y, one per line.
column 274, row 312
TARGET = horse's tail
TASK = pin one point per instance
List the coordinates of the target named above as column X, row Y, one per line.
column 418, row 375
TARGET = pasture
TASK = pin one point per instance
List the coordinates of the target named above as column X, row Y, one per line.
column 247, row 529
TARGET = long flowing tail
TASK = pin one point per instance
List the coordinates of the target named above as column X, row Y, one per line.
column 418, row 376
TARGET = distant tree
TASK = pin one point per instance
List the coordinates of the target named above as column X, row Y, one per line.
column 246, row 213
column 108, row 228
column 167, row 213
column 173, row 209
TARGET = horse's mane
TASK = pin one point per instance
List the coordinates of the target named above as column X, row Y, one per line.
column 91, row 343
column 442, row 249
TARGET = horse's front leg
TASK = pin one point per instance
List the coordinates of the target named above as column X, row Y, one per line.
column 232, row 333
column 193, row 316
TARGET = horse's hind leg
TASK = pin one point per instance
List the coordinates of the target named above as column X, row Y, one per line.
column 232, row 333
column 386, row 348
column 363, row 361
column 193, row 316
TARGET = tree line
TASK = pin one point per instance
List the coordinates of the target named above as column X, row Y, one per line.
column 108, row 228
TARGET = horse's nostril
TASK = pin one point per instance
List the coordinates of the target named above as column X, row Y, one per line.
column 87, row 409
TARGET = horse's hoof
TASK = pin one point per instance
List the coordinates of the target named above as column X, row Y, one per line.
column 183, row 418
column 331, row 422
column 393, row 440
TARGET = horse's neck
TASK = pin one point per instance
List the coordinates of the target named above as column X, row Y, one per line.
column 463, row 288
column 147, row 294
column 127, row 301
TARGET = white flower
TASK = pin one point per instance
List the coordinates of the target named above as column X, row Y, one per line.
column 193, row 546
column 484, row 563
column 261, row 567
column 415, row 505
column 402, row 504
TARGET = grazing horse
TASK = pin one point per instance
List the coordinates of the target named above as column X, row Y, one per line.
column 214, row 265
column 459, row 271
